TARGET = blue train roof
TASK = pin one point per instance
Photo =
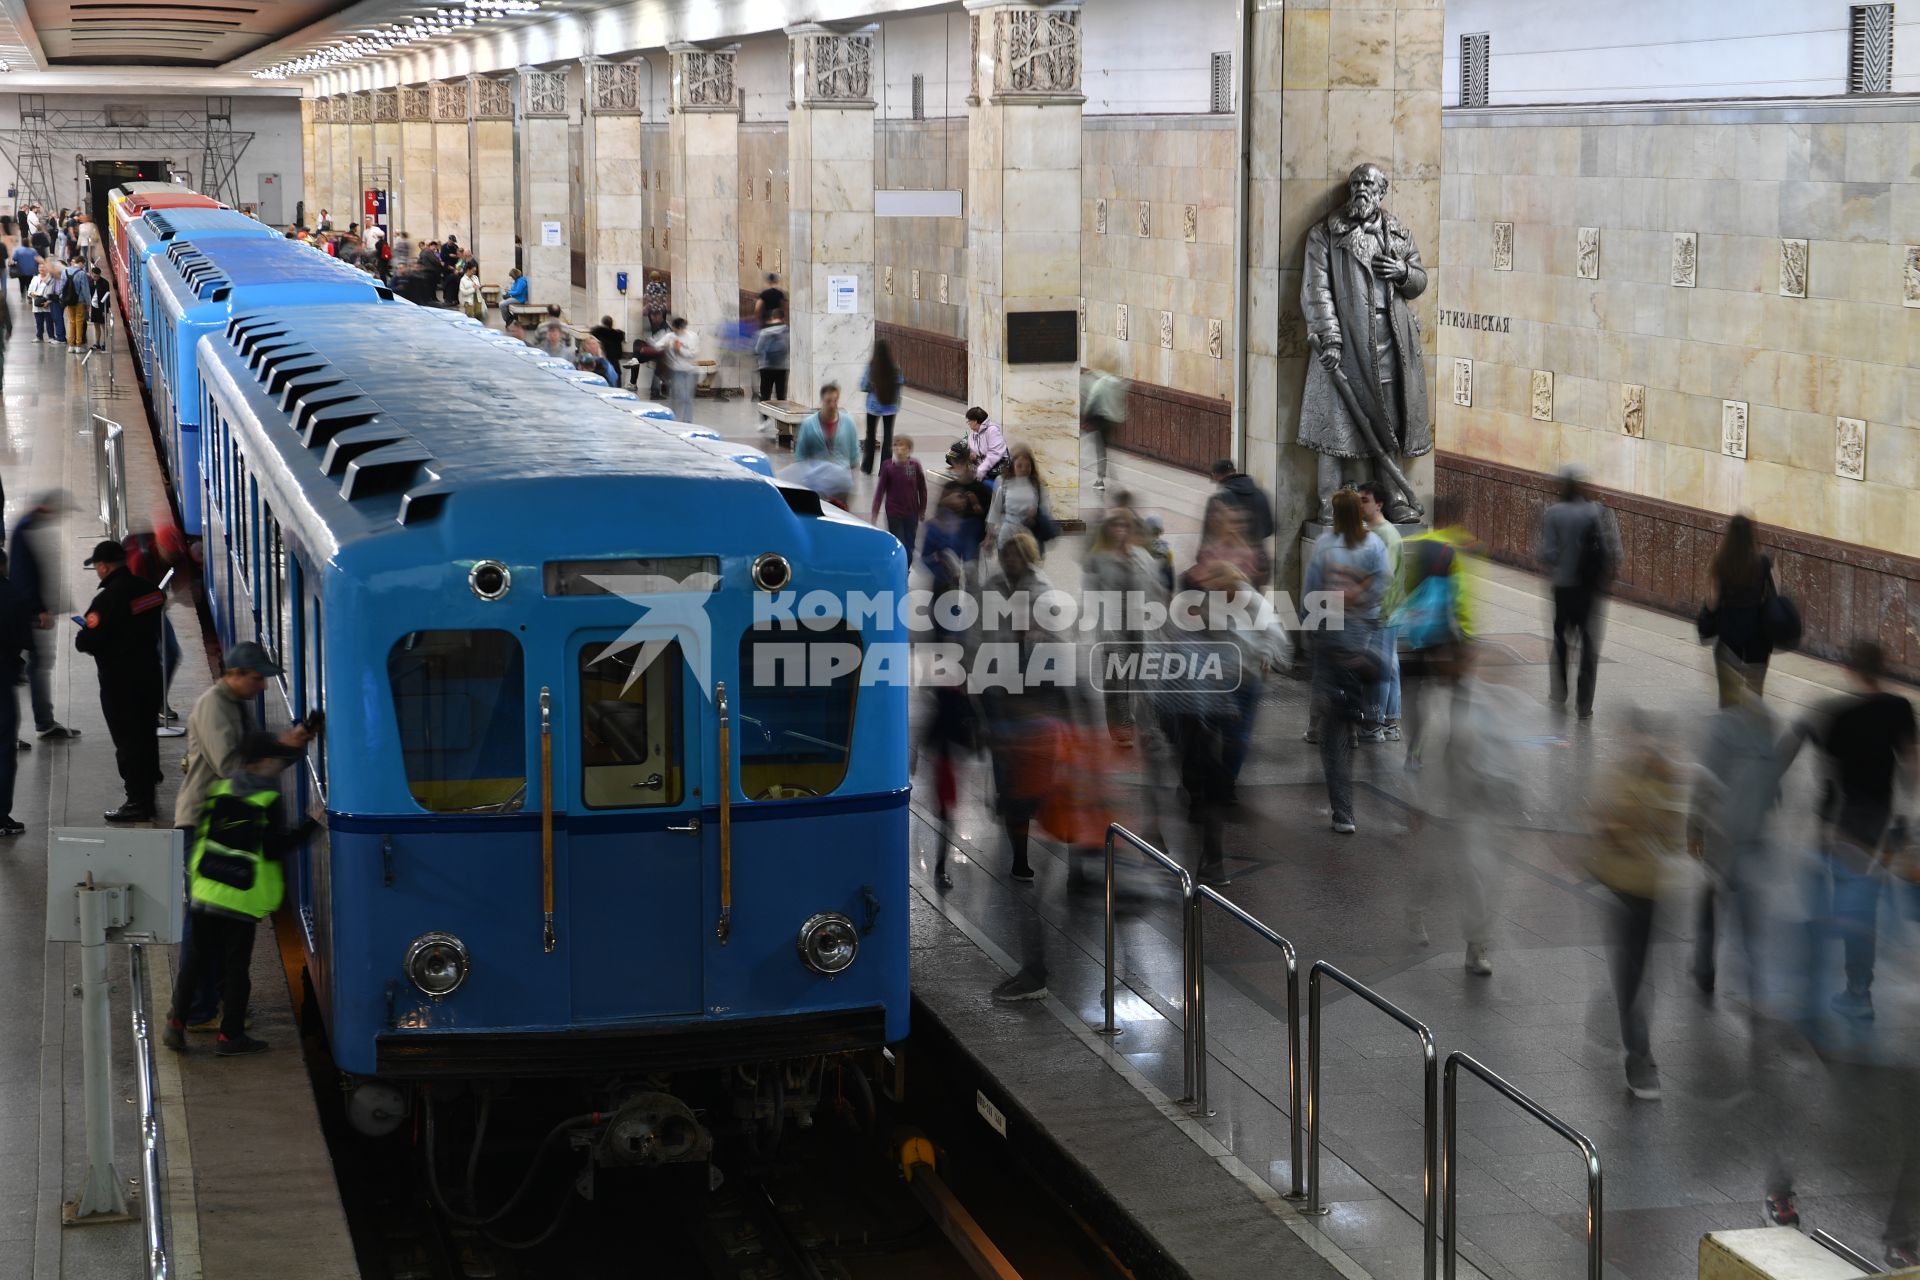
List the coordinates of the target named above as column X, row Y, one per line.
column 212, row 269
column 396, row 414
column 157, row 226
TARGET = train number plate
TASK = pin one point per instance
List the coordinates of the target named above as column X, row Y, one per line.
column 990, row 1113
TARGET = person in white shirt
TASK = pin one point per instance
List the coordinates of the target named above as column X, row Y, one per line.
column 682, row 351
column 374, row 235
column 89, row 237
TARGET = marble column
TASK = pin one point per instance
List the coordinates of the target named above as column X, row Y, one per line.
column 615, row 204
column 360, row 175
column 545, row 185
column 495, row 216
column 341, row 201
column 703, row 223
column 452, row 211
column 413, row 207
column 1023, row 225
column 309, row 157
column 830, row 206
column 1331, row 89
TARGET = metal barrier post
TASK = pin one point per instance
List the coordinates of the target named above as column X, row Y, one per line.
column 158, row 1265
column 1188, row 909
column 1108, row 1028
column 1292, row 958
column 1430, row 1136
column 1456, row 1060
column 1197, row 1005
column 1832, row 1244
column 100, row 1197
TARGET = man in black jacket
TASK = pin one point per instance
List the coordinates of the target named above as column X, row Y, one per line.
column 121, row 631
column 1237, row 489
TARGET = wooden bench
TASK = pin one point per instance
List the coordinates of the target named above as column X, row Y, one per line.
column 535, row 311
column 786, row 415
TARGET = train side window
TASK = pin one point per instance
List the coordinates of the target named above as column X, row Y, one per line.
column 316, row 657
column 630, row 739
column 288, row 608
column 796, row 737
column 270, row 582
column 460, row 700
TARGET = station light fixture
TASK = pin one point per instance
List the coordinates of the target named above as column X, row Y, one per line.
column 425, row 26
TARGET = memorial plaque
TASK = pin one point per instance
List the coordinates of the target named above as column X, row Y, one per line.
column 1043, row 337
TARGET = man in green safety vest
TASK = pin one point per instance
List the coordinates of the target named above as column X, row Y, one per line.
column 234, row 881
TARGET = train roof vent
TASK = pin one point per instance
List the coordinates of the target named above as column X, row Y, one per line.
column 384, row 470
column 281, row 372
column 802, row 502
column 383, row 293
column 253, row 336
column 158, row 221
column 320, row 424
column 349, row 444
column 424, row 501
column 302, row 384
column 271, row 353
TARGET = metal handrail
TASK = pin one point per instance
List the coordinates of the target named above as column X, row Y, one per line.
column 1194, row 1000
column 1430, row 1135
column 1208, row 893
column 1456, row 1060
column 1852, row 1256
column 158, row 1265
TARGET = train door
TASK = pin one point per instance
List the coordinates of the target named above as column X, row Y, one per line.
column 629, row 727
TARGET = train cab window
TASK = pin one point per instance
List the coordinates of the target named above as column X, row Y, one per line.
column 630, row 752
column 460, row 700
column 796, row 726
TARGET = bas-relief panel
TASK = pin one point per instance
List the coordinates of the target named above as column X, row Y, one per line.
column 1686, row 259
column 1733, row 428
column 1850, row 449
column 1541, row 400
column 1146, row 219
column 1793, row 268
column 1503, row 246
column 1463, row 383
column 1120, row 322
column 1587, row 263
column 1910, row 277
column 1099, row 217
column 1633, row 410
column 1216, row 335
column 1166, row 330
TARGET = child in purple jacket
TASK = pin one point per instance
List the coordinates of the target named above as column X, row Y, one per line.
column 903, row 488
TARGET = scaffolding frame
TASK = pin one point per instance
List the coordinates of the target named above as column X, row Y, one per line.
column 96, row 135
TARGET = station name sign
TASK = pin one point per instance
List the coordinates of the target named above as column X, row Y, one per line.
column 1476, row 320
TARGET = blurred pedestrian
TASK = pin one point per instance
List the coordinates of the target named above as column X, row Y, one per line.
column 472, row 302
column 1433, row 621
column 1735, row 619
column 953, row 535
column 1867, row 739
column 16, row 644
column 772, row 349
column 1103, row 410
column 1020, row 503
column 1348, row 561
column 1639, row 833
column 1383, row 705
column 1118, row 578
column 32, row 546
column 881, row 382
column 1579, row 548
column 1236, row 489
column 680, row 350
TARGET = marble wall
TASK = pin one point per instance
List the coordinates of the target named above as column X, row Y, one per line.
column 415, row 212
column 1156, row 230
column 495, row 216
column 453, row 195
column 704, row 157
column 764, row 190
column 656, row 185
column 924, row 155
column 1742, row 330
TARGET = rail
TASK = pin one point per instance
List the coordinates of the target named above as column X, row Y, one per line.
column 159, row 1266
column 1192, row 997
column 1852, row 1256
column 1591, row 1153
column 1287, row 950
column 1429, row 1131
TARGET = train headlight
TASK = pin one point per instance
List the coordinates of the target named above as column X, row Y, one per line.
column 771, row 572
column 490, row 580
column 437, row 963
column 829, row 942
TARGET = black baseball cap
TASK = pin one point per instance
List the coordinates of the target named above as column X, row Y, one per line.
column 250, row 656
column 107, row 551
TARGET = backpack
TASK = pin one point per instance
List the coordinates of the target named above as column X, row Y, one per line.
column 1595, row 567
column 778, row 352
column 69, row 291
column 1429, row 617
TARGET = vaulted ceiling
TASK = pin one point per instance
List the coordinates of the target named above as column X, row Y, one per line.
column 179, row 33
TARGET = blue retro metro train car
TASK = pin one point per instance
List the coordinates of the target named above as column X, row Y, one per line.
column 195, row 291
column 571, row 827
column 149, row 235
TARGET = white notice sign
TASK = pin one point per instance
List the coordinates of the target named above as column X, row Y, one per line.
column 550, row 234
column 843, row 295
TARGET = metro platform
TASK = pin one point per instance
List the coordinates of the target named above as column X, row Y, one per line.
column 249, row 1185
column 1675, row 1169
